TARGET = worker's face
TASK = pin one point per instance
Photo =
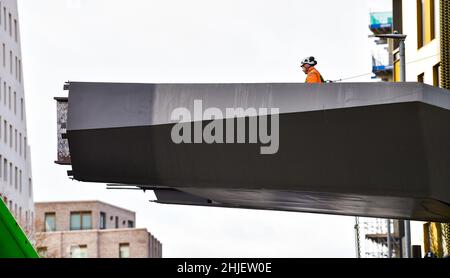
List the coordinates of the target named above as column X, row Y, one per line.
column 305, row 68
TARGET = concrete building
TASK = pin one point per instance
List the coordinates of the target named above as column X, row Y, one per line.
column 91, row 229
column 420, row 21
column 426, row 24
column 16, row 188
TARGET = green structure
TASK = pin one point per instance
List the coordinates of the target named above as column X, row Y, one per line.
column 13, row 241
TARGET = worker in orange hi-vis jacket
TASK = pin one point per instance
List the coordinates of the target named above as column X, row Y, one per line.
column 312, row 74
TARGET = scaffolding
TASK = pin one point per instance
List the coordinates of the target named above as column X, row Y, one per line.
column 378, row 238
column 382, row 64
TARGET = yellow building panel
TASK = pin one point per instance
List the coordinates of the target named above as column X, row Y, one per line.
column 428, row 20
column 397, row 71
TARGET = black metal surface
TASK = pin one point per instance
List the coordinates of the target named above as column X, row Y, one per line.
column 389, row 159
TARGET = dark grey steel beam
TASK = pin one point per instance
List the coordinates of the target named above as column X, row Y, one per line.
column 369, row 149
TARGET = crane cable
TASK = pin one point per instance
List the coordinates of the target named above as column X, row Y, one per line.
column 364, row 74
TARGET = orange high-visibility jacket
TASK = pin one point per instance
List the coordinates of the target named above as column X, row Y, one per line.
column 313, row 76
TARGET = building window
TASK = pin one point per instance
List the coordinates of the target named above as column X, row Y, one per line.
column 10, row 174
column 50, row 222
column 15, row 103
column 102, row 224
column 21, row 109
column 4, row 55
column 86, row 221
column 15, row 30
column 5, row 170
column 75, row 221
column 5, row 127
column 420, row 19
column 432, row 19
column 117, row 222
column 78, row 251
column 20, row 71
column 124, row 250
column 10, row 24
column 130, row 224
column 436, row 70
column 42, row 251
column 426, row 30
column 80, row 221
column 16, row 172
column 10, row 137
column 20, row 181
column 420, row 77
column 436, row 5
column 30, row 188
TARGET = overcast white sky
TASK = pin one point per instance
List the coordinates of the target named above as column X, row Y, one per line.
column 190, row 41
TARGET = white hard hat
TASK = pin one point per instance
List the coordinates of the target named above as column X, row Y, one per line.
column 310, row 61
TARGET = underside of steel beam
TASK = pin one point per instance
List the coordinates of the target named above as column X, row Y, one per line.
column 367, row 149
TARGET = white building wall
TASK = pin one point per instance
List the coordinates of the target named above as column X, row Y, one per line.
column 15, row 181
column 419, row 60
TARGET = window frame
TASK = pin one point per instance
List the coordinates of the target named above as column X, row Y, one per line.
column 45, row 221
column 124, row 245
column 79, row 248
column 436, row 74
column 102, row 221
column 81, row 214
column 426, row 21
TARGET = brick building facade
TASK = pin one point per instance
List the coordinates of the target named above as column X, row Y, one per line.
column 91, row 229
